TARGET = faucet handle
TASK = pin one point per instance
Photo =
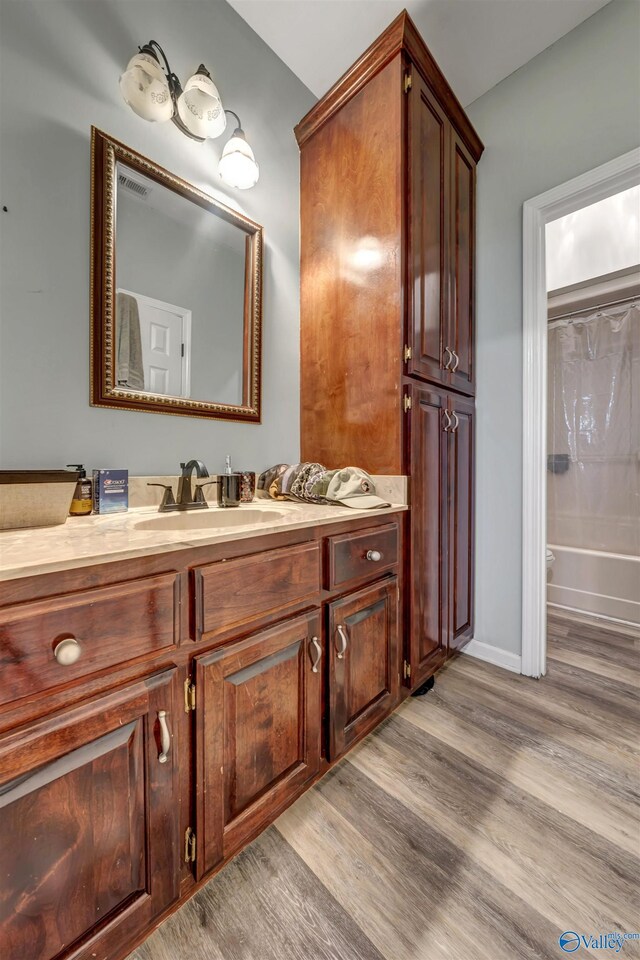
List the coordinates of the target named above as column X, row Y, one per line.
column 168, row 499
column 198, row 496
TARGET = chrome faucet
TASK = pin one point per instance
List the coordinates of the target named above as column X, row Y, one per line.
column 186, row 499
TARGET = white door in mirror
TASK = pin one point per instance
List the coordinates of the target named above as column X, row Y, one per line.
column 165, row 333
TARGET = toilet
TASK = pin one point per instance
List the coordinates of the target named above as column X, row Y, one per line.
column 550, row 560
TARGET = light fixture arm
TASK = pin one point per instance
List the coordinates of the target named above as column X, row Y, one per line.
column 154, row 48
column 239, row 127
column 175, row 87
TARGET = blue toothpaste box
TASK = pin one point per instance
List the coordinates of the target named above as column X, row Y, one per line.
column 110, row 491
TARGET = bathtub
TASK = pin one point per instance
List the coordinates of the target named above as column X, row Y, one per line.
column 595, row 582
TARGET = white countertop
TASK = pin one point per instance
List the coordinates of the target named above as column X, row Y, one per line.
column 84, row 541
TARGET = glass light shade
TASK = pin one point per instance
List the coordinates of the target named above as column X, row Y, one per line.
column 237, row 165
column 200, row 107
column 145, row 89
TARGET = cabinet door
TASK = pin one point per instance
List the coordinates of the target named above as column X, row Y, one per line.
column 461, row 520
column 461, row 196
column 426, row 574
column 364, row 669
column 258, row 732
column 88, row 831
column 428, row 228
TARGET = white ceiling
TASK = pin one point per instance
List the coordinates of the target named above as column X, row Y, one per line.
column 477, row 43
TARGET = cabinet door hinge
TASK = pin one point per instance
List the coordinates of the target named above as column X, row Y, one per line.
column 189, row 846
column 189, row 695
column 407, row 670
column 407, row 82
column 408, row 353
column 406, row 401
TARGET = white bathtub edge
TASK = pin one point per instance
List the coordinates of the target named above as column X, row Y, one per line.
column 495, row 655
column 594, row 617
column 597, row 604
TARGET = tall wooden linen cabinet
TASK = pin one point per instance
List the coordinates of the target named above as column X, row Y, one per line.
column 387, row 183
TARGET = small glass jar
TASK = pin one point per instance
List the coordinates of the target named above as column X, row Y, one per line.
column 247, row 485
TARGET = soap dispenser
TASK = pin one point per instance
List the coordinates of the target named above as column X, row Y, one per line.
column 82, row 503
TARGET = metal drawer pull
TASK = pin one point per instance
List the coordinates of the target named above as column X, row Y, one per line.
column 374, row 555
column 67, row 651
column 344, row 640
column 456, row 421
column 448, row 362
column 447, row 425
column 317, row 649
column 457, row 361
column 165, row 737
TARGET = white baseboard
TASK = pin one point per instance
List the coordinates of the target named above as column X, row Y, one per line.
column 495, row 655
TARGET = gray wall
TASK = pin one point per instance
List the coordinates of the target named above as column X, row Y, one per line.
column 570, row 109
column 60, row 61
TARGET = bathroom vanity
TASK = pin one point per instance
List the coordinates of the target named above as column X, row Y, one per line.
column 167, row 691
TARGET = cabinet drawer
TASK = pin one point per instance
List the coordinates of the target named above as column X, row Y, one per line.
column 354, row 556
column 233, row 593
column 111, row 625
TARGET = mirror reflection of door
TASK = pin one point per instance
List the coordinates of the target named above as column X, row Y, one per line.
column 171, row 249
column 165, row 335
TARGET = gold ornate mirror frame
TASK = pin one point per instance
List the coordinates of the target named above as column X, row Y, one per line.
column 105, row 392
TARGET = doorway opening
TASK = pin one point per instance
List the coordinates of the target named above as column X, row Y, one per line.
column 577, row 436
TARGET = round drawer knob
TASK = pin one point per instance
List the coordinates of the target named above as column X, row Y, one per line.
column 67, row 651
column 374, row 555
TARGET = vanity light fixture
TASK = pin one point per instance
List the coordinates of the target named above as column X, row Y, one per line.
column 154, row 93
column 237, row 165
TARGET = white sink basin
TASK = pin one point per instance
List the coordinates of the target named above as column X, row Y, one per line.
column 209, row 519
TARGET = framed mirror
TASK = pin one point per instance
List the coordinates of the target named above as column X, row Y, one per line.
column 176, row 286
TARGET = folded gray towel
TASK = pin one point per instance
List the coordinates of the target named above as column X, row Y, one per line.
column 129, row 369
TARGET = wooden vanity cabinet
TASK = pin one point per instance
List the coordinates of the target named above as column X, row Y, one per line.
column 184, row 727
column 440, row 241
column 461, row 500
column 258, row 732
column 387, row 250
column 89, row 849
column 362, row 655
column 440, row 560
column 427, row 580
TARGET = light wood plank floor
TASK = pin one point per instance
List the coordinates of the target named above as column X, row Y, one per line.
column 477, row 823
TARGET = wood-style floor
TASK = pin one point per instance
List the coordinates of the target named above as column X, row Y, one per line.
column 477, row 823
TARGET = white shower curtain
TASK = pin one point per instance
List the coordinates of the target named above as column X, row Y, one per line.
column 593, row 430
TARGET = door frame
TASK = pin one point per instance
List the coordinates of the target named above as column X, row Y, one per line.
column 597, row 184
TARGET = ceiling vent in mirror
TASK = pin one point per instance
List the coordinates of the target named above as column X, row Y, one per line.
column 134, row 186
